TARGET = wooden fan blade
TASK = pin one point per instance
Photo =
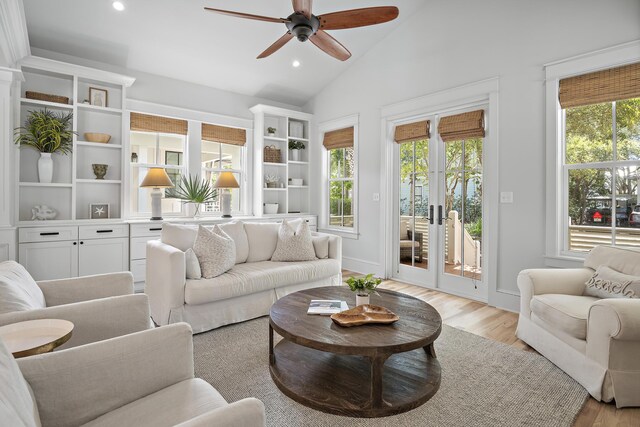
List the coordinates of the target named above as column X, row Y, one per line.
column 330, row 45
column 247, row 15
column 277, row 45
column 358, row 17
column 303, row 7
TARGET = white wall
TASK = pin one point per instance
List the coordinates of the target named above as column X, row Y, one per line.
column 448, row 44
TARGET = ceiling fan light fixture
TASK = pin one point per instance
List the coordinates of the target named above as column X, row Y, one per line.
column 295, row 63
column 118, row 5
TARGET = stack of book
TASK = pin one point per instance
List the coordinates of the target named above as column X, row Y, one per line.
column 327, row 307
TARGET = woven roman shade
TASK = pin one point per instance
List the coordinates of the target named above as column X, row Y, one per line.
column 412, row 132
column 614, row 84
column 462, row 126
column 149, row 123
column 341, row 138
column 226, row 135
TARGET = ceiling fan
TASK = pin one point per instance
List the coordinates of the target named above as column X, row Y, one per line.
column 304, row 25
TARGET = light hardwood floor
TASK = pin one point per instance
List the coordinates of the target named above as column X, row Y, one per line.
column 500, row 325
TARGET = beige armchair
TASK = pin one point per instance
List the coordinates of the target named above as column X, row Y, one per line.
column 101, row 306
column 596, row 341
column 141, row 379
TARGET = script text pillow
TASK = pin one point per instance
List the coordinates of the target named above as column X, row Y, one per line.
column 608, row 283
column 215, row 250
column 192, row 265
column 18, row 290
column 294, row 245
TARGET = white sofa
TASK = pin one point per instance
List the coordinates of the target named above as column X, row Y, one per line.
column 246, row 291
column 595, row 341
column 141, row 379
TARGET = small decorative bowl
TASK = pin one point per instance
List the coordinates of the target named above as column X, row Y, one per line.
column 102, row 138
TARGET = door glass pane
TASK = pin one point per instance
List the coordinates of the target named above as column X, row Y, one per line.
column 589, row 207
column 589, row 133
column 628, row 129
column 472, row 258
column 414, row 204
column 627, row 208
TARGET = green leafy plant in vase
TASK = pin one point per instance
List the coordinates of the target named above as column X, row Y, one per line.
column 295, row 147
column 192, row 189
column 363, row 286
column 47, row 132
column 271, row 131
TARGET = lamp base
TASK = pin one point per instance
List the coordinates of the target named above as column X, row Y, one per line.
column 226, row 203
column 227, row 216
column 156, row 204
column 156, row 218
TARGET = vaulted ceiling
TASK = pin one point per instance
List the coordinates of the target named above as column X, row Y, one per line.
column 178, row 39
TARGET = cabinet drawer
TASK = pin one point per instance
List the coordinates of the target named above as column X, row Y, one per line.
column 47, row 234
column 106, row 231
column 139, row 246
column 141, row 230
column 139, row 270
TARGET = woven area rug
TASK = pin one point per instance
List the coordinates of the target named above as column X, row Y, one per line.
column 484, row 383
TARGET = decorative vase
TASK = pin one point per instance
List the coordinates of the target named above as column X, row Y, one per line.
column 295, row 155
column 272, row 134
column 45, row 168
column 362, row 299
column 99, row 170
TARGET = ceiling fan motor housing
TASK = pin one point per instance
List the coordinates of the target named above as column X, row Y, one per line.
column 302, row 27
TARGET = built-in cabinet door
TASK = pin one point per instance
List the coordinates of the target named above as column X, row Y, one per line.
column 98, row 256
column 50, row 260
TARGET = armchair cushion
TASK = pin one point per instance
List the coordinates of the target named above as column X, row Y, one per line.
column 608, row 283
column 18, row 290
column 626, row 261
column 568, row 313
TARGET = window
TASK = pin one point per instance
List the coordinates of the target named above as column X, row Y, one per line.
column 155, row 142
column 600, row 158
column 340, row 170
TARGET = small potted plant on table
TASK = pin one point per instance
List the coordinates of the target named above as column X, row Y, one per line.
column 295, row 147
column 363, row 287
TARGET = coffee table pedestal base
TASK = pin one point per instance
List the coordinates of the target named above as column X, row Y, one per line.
column 343, row 384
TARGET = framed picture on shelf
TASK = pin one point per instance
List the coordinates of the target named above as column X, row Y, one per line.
column 99, row 210
column 98, row 97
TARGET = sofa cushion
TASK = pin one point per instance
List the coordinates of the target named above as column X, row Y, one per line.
column 18, row 407
column 179, row 236
column 215, row 250
column 568, row 313
column 608, row 283
column 624, row 260
column 321, row 246
column 236, row 231
column 294, row 244
column 263, row 238
column 252, row 277
column 18, row 290
column 167, row 407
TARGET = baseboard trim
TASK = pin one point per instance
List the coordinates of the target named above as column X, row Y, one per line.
column 362, row 266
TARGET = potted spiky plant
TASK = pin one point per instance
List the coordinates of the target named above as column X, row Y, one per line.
column 192, row 189
column 48, row 132
column 363, row 286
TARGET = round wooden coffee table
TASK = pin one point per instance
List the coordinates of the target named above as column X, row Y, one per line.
column 35, row 336
column 361, row 371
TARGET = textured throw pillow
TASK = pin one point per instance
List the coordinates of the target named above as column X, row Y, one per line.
column 294, row 245
column 192, row 264
column 18, row 290
column 321, row 246
column 608, row 283
column 215, row 250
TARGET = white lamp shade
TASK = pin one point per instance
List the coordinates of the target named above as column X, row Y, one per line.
column 157, row 178
column 226, row 180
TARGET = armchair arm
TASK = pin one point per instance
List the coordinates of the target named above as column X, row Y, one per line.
column 93, row 320
column 618, row 318
column 77, row 385
column 76, row 289
column 537, row 281
column 335, row 247
column 165, row 280
column 243, row 413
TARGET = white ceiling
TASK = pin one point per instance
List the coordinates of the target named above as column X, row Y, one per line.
column 178, row 39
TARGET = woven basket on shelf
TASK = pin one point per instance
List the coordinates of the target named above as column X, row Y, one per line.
column 271, row 154
column 46, row 97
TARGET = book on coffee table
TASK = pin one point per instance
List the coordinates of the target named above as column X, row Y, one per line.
column 326, row 307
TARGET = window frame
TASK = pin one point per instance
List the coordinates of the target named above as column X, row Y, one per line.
column 557, row 179
column 344, row 122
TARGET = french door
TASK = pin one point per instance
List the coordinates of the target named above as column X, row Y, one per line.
column 438, row 212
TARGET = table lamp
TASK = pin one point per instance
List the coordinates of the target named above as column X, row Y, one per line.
column 225, row 181
column 156, row 178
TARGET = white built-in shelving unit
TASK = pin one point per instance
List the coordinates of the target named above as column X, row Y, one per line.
column 74, row 186
column 289, row 125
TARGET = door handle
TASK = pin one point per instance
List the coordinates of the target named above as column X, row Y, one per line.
column 439, row 214
column 431, row 214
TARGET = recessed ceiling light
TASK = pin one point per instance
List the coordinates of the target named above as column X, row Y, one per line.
column 295, row 63
column 118, row 5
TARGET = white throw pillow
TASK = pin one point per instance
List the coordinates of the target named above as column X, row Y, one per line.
column 321, row 246
column 608, row 283
column 18, row 290
column 215, row 250
column 263, row 238
column 179, row 236
column 192, row 264
column 236, row 231
column 294, row 245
